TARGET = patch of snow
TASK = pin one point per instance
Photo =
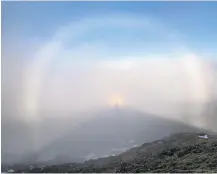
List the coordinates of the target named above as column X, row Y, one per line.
column 10, row 171
column 204, row 137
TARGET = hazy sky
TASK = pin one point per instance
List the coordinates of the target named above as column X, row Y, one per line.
column 74, row 56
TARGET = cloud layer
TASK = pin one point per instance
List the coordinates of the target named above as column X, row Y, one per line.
column 86, row 63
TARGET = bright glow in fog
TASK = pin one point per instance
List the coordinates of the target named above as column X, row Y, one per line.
column 66, row 76
column 116, row 100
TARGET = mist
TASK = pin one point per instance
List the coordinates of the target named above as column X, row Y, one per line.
column 53, row 85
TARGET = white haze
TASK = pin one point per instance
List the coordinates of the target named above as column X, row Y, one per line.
column 53, row 79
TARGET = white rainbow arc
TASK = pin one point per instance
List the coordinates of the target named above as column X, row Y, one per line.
column 44, row 57
column 50, row 51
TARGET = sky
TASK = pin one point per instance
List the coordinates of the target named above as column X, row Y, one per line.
column 67, row 56
column 196, row 21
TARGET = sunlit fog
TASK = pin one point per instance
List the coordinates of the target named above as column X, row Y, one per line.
column 88, row 83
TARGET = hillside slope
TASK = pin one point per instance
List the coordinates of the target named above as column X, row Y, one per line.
column 182, row 152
